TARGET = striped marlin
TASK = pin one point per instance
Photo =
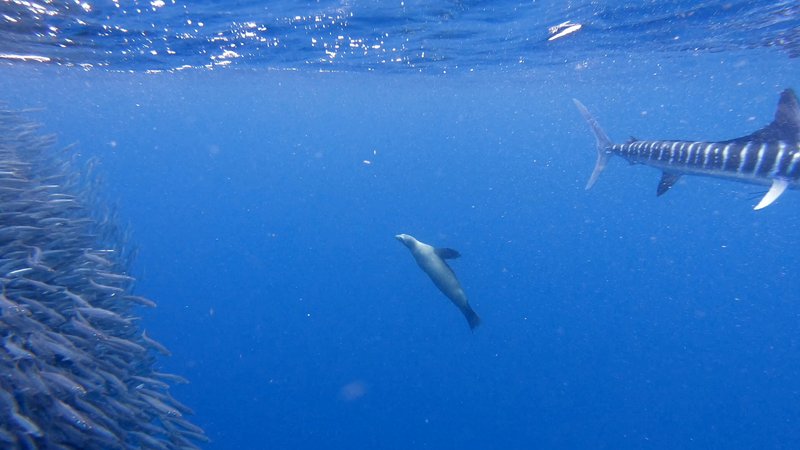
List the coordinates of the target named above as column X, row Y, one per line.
column 769, row 156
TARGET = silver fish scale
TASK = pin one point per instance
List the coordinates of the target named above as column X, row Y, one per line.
column 76, row 370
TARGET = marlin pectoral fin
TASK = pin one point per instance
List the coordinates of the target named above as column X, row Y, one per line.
column 447, row 253
column 775, row 191
column 667, row 180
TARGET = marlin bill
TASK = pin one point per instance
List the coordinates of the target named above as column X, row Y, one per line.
column 769, row 156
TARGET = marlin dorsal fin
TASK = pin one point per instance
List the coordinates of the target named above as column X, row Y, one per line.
column 447, row 253
column 787, row 116
column 785, row 127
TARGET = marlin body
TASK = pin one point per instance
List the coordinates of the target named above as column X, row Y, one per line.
column 769, row 156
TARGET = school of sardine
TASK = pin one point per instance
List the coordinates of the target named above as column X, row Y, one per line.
column 76, row 370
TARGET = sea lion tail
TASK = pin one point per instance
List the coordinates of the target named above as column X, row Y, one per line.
column 472, row 317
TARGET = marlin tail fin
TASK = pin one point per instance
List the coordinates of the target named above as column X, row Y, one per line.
column 603, row 143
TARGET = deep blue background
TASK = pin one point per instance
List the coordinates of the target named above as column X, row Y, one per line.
column 612, row 318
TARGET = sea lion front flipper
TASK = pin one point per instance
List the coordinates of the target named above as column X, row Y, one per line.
column 447, row 253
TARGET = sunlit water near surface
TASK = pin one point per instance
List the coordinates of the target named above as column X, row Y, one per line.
column 265, row 156
column 401, row 36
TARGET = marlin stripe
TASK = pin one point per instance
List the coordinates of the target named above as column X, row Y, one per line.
column 695, row 158
column 699, row 159
column 683, row 157
column 743, row 155
column 693, row 152
column 725, row 156
column 672, row 155
column 752, row 160
column 715, row 160
column 760, row 158
column 769, row 159
column 790, row 158
column 794, row 169
column 656, row 155
column 778, row 159
column 731, row 155
column 694, row 155
column 672, row 148
column 706, row 152
column 718, row 161
column 791, row 150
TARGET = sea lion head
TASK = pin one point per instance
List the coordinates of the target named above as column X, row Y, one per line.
column 407, row 240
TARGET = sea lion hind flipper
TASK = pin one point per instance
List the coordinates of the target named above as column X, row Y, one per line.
column 472, row 317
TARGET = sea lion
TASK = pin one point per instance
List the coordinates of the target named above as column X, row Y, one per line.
column 432, row 262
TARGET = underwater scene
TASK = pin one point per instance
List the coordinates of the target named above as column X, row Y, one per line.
column 399, row 225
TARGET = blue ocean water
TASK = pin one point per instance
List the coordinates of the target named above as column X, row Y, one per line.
column 264, row 195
